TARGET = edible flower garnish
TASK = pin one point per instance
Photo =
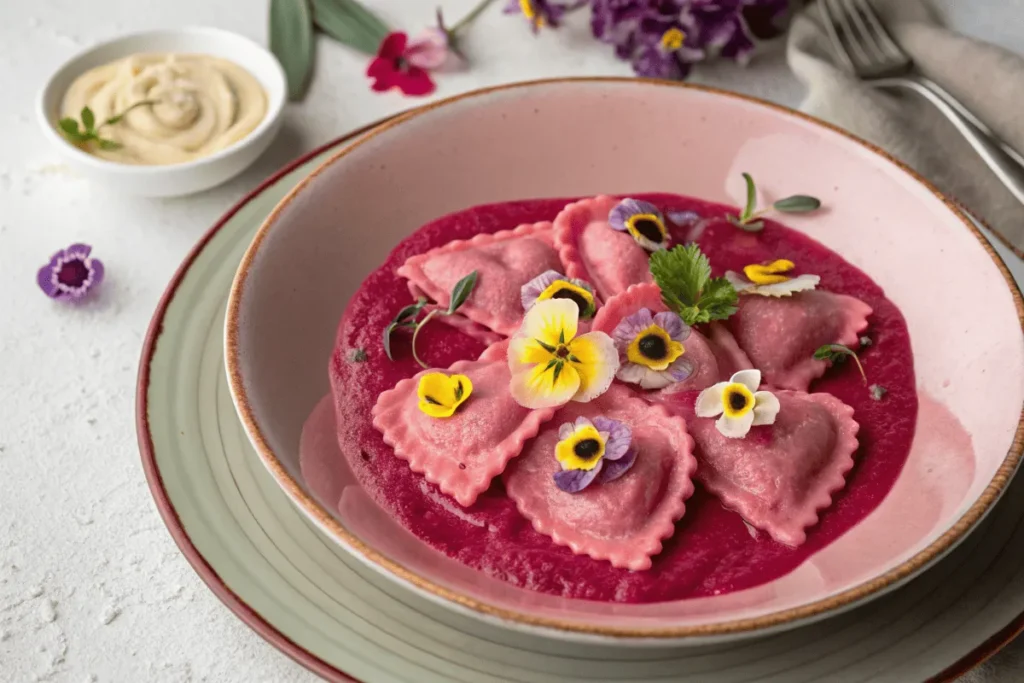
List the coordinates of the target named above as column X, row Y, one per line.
column 71, row 273
column 651, row 349
column 684, row 275
column 551, row 366
column 748, row 219
column 407, row 316
column 770, row 279
column 542, row 13
column 835, row 354
column 553, row 285
column 88, row 131
column 739, row 403
column 440, row 394
column 587, row 449
column 642, row 220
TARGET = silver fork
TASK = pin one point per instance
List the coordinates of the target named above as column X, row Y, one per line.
column 865, row 49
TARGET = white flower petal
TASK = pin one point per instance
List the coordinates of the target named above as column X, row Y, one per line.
column 631, row 373
column 709, row 401
column 751, row 379
column 735, row 427
column 653, row 379
column 766, row 407
column 738, row 282
column 600, row 363
column 779, row 289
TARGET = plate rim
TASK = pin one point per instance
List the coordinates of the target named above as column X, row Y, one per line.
column 781, row 618
column 217, row 585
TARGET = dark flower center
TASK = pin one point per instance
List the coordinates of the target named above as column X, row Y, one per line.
column 737, row 401
column 562, row 351
column 653, row 346
column 73, row 273
column 649, row 229
column 587, row 449
column 572, row 296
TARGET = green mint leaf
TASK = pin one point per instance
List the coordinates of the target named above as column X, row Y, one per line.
column 291, row 41
column 798, row 203
column 748, row 210
column 350, row 23
column 108, row 144
column 69, row 127
column 683, row 274
column 88, row 118
column 717, row 299
column 836, row 354
column 461, row 291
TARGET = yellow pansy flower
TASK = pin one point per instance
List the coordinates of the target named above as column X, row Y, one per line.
column 440, row 394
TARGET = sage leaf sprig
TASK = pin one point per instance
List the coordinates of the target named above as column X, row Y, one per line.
column 350, row 24
column 291, row 41
column 407, row 316
column 85, row 130
column 683, row 274
column 837, row 354
column 749, row 218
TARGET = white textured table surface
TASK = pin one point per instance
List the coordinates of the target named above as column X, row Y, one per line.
column 91, row 586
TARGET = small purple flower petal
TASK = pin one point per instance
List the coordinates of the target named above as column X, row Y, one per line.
column 627, row 208
column 574, row 481
column 97, row 272
column 70, row 273
column 673, row 324
column 45, row 280
column 616, row 468
column 630, row 326
column 78, row 250
column 680, row 369
column 620, row 436
column 683, row 218
column 535, row 287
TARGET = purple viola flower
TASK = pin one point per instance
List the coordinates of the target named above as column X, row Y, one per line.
column 651, row 350
column 642, row 220
column 542, row 12
column 71, row 273
column 553, row 285
column 592, row 450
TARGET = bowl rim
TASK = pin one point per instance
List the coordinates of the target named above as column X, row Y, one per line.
column 789, row 616
column 275, row 105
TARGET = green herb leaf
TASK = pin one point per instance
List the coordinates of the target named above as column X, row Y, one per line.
column 69, row 126
column 798, row 203
column 108, row 144
column 748, row 210
column 683, row 274
column 836, row 354
column 88, row 118
column 291, row 41
column 404, row 318
column 461, row 291
column 350, row 23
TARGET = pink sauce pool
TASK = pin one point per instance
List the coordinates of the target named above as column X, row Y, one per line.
column 712, row 551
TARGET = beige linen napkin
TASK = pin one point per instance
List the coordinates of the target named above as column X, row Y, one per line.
column 988, row 79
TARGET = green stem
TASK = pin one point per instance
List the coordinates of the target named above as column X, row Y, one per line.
column 417, row 333
column 468, row 19
column 116, row 119
column 860, row 367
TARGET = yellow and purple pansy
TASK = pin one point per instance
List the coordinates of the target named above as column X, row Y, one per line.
column 588, row 449
column 651, row 350
column 643, row 221
column 739, row 403
column 771, row 279
column 440, row 395
column 553, row 285
column 551, row 366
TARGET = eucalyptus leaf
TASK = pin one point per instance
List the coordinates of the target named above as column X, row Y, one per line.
column 291, row 41
column 798, row 203
column 461, row 291
column 88, row 118
column 350, row 23
column 751, row 206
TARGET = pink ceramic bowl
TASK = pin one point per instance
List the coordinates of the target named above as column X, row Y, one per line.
column 581, row 137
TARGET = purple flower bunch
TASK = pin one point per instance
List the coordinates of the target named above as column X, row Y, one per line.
column 664, row 38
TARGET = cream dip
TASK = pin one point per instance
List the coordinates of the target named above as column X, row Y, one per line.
column 201, row 104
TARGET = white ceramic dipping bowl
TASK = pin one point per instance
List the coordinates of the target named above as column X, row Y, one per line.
column 586, row 136
column 173, row 179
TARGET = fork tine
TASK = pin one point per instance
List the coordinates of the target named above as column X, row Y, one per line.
column 831, row 28
column 867, row 37
column 843, row 28
column 885, row 41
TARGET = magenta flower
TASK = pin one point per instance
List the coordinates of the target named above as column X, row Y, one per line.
column 543, row 12
column 71, row 273
column 402, row 63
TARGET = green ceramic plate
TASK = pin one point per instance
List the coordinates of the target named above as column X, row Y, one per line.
column 291, row 584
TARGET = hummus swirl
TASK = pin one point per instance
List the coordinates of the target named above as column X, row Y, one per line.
column 202, row 104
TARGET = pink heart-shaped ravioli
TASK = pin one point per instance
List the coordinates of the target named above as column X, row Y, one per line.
column 715, row 357
column 623, row 521
column 504, row 261
column 593, row 251
column 780, row 334
column 779, row 476
column 461, row 454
